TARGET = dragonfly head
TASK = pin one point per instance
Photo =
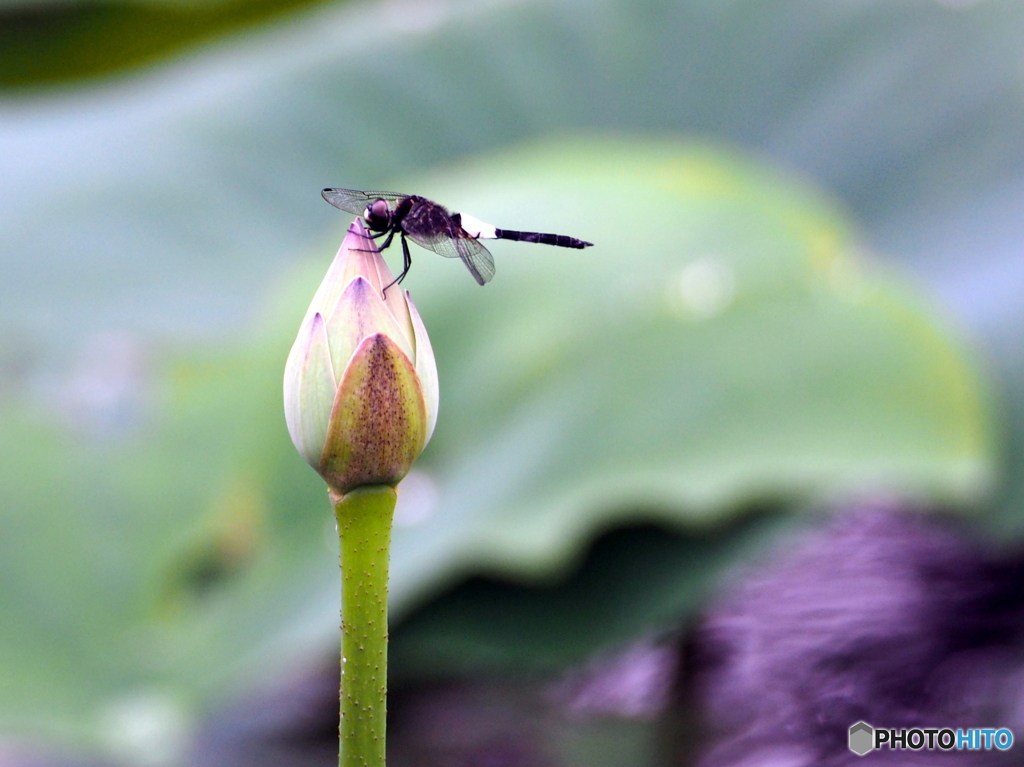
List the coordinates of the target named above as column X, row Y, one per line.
column 378, row 215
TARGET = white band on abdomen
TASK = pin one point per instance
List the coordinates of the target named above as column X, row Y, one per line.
column 477, row 228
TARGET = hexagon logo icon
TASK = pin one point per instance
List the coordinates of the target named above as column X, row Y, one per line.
column 862, row 738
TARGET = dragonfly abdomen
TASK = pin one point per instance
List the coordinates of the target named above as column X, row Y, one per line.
column 559, row 240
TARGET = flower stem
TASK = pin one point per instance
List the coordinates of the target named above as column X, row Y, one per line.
column 364, row 528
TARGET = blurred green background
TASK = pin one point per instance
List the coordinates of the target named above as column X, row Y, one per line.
column 804, row 288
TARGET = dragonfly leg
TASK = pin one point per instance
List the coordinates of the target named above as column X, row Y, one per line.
column 406, row 263
column 406, row 259
column 371, row 238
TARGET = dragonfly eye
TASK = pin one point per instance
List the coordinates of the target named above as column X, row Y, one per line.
column 378, row 215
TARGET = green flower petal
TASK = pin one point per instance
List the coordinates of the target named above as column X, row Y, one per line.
column 309, row 390
column 426, row 366
column 379, row 422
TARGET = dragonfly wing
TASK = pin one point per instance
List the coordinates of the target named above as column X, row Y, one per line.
column 354, row 201
column 475, row 256
column 477, row 259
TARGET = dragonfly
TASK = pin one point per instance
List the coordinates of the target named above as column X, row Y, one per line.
column 432, row 226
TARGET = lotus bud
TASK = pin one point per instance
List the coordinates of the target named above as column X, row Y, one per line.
column 360, row 384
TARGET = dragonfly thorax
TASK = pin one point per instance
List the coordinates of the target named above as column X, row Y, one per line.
column 378, row 215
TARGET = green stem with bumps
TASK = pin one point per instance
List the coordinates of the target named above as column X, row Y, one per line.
column 364, row 529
